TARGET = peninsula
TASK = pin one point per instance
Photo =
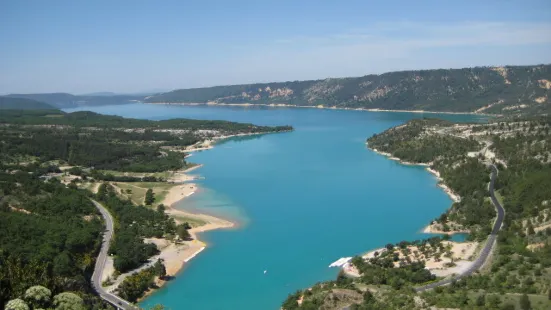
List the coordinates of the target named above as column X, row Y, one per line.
column 61, row 174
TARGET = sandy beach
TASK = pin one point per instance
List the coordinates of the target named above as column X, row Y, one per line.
column 174, row 253
column 436, row 228
column 461, row 256
column 281, row 105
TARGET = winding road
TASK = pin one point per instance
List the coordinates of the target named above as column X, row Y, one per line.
column 479, row 262
column 100, row 263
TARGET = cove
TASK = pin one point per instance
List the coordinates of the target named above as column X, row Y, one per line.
column 303, row 199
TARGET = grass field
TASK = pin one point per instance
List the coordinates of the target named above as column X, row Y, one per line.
column 193, row 222
column 164, row 174
column 136, row 191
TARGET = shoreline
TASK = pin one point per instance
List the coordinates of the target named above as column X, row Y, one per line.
column 441, row 183
column 432, row 229
column 209, row 143
column 462, row 257
column 283, row 105
column 177, row 256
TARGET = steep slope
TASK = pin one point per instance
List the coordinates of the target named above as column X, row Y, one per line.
column 511, row 89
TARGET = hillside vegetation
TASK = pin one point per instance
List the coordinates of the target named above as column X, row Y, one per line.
column 518, row 274
column 498, row 90
column 49, row 234
column 50, row 231
column 23, row 104
column 109, row 142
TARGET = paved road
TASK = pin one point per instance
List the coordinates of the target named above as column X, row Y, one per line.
column 479, row 262
column 100, row 263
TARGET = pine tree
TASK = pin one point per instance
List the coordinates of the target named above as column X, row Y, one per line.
column 149, row 197
column 160, row 268
column 525, row 302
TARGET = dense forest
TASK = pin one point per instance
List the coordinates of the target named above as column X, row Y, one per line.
column 501, row 90
column 49, row 235
column 108, row 142
column 518, row 275
column 91, row 119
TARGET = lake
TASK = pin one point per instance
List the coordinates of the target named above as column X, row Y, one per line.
column 303, row 199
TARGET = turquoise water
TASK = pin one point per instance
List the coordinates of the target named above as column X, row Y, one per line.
column 303, row 198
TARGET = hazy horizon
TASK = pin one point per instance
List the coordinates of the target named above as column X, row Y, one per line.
column 141, row 47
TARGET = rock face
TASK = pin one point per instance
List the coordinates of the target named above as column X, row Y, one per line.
column 483, row 90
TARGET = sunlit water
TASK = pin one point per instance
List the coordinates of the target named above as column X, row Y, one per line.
column 303, row 199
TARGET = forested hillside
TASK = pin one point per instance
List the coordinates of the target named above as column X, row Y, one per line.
column 23, row 104
column 109, row 142
column 64, row 100
column 518, row 272
column 49, row 234
column 498, row 90
column 493, row 90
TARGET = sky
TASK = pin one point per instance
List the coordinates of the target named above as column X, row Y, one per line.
column 129, row 46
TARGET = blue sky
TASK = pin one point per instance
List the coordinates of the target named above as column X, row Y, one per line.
column 138, row 45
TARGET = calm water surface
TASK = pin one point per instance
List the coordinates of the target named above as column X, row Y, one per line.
column 303, row 198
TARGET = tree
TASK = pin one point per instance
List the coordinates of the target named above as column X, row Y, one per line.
column 38, row 296
column 16, row 304
column 549, row 294
column 480, row 300
column 63, row 264
column 160, row 268
column 525, row 302
column 68, row 301
column 102, row 191
column 149, row 197
column 530, row 228
column 182, row 232
column 161, row 208
column 493, row 301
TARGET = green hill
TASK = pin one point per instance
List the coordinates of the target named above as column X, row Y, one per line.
column 65, row 100
column 23, row 104
column 500, row 90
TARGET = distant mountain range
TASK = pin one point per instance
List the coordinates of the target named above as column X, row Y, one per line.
column 23, row 104
column 492, row 90
column 65, row 100
column 498, row 90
